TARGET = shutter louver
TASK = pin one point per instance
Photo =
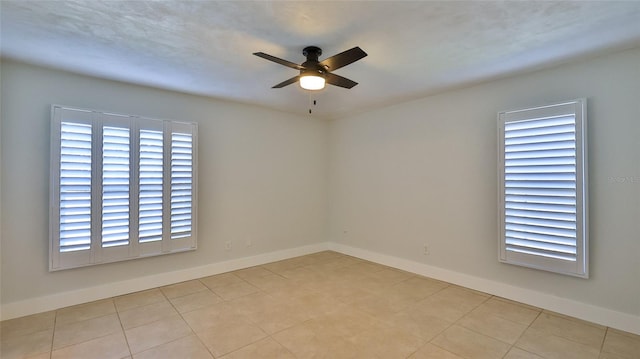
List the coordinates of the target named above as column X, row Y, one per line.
column 150, row 190
column 115, row 186
column 540, row 187
column 181, row 184
column 75, row 187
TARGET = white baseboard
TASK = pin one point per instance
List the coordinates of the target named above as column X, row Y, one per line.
column 585, row 311
column 84, row 295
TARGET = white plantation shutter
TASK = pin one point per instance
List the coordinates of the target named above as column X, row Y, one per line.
column 75, row 187
column 543, row 188
column 115, row 186
column 150, row 186
column 181, row 184
column 122, row 187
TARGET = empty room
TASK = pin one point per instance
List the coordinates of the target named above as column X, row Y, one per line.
column 320, row 179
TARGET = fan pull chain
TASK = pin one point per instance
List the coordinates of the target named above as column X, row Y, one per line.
column 310, row 103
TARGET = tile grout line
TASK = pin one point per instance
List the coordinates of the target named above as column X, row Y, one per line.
column 260, row 290
column 185, row 321
column 455, row 323
column 270, row 336
column 53, row 334
column 511, row 346
column 604, row 339
column 524, row 331
column 80, row 321
column 124, row 333
column 227, row 302
column 429, row 342
column 575, row 320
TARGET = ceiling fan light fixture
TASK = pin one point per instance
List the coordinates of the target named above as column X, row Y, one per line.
column 315, row 74
column 312, row 81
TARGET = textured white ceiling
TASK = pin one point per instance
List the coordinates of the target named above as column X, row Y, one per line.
column 415, row 47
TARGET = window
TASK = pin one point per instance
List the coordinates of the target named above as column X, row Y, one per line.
column 543, row 188
column 122, row 187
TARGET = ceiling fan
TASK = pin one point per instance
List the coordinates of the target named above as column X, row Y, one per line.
column 314, row 73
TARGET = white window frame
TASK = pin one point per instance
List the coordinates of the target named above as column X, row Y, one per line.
column 96, row 253
column 512, row 250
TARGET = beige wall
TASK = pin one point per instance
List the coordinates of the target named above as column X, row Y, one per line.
column 262, row 178
column 425, row 172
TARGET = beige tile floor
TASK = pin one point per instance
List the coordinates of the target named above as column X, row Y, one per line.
column 323, row 305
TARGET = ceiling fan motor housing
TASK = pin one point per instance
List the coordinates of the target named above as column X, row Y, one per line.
column 312, row 53
column 312, row 65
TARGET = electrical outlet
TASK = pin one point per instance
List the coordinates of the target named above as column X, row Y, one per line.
column 227, row 246
column 248, row 243
column 425, row 249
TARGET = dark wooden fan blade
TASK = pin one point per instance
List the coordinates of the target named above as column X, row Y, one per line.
column 287, row 82
column 278, row 60
column 343, row 59
column 340, row 81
